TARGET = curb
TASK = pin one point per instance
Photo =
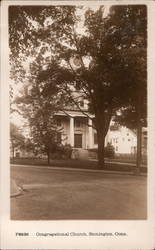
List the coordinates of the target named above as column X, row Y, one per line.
column 79, row 169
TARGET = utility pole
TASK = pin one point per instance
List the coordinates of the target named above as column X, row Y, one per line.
column 139, row 136
column 139, row 147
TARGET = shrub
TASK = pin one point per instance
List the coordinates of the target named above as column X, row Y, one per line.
column 109, row 151
column 62, row 152
column 67, row 151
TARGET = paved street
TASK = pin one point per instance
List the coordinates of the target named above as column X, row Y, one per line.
column 67, row 194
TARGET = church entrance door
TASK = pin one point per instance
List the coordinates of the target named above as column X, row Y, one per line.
column 78, row 140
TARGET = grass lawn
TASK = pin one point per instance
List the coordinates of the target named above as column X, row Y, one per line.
column 71, row 163
column 127, row 159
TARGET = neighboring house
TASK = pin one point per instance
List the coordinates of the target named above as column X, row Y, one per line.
column 18, row 152
column 123, row 139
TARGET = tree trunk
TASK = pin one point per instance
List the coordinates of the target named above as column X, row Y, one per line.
column 101, row 142
column 139, row 134
column 102, row 125
column 139, row 146
column 13, row 153
column 48, row 157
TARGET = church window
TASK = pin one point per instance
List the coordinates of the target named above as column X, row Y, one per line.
column 59, row 123
column 82, row 103
column 78, row 124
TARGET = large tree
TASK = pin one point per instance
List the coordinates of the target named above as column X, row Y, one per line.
column 134, row 49
column 105, row 49
column 39, row 110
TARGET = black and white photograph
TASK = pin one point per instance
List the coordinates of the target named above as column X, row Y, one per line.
column 79, row 119
column 78, row 112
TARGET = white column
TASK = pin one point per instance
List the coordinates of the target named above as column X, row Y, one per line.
column 72, row 131
column 107, row 139
column 90, row 133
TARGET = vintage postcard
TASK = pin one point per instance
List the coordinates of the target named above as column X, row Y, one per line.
column 77, row 125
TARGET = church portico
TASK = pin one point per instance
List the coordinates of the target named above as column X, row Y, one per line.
column 77, row 130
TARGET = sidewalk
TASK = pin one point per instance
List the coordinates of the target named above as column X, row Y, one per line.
column 124, row 163
column 132, row 164
column 15, row 190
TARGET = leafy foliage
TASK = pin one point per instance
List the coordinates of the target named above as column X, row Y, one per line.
column 109, row 151
column 40, row 113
